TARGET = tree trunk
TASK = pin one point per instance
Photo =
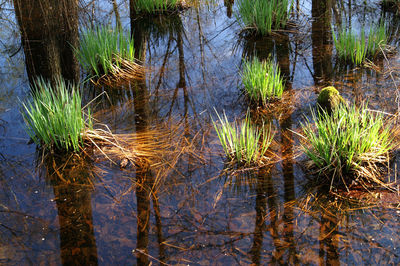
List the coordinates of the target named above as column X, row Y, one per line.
column 49, row 31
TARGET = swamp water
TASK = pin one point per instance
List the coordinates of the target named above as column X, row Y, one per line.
column 186, row 208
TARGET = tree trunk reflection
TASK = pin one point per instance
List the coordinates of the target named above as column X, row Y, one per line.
column 264, row 48
column 72, row 188
column 321, row 42
column 144, row 176
column 328, row 244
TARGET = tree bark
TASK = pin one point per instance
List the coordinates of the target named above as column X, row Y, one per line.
column 49, row 31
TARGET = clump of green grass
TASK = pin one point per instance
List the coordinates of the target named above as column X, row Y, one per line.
column 55, row 117
column 353, row 48
column 262, row 80
column 108, row 55
column 263, row 16
column 152, row 6
column 244, row 142
column 348, row 144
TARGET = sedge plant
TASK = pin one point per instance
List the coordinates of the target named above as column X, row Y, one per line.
column 262, row 81
column 106, row 52
column 353, row 48
column 348, row 144
column 243, row 142
column 152, row 6
column 263, row 16
column 55, row 117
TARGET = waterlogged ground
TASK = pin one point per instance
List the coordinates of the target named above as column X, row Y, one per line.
column 187, row 208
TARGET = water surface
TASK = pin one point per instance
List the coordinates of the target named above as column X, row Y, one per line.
column 92, row 212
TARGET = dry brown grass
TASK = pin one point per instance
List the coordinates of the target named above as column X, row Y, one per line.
column 121, row 75
column 157, row 149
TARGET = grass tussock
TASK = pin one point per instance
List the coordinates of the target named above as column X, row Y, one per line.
column 262, row 81
column 156, row 6
column 348, row 145
column 355, row 49
column 244, row 143
column 108, row 56
column 263, row 16
column 56, row 121
column 55, row 117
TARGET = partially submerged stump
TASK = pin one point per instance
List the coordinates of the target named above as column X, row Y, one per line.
column 329, row 98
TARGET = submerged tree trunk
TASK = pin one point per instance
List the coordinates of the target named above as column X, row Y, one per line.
column 49, row 31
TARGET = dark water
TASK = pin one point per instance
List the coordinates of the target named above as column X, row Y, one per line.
column 92, row 212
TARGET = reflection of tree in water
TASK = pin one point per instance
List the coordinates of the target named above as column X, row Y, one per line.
column 72, row 180
column 392, row 22
column 265, row 47
column 277, row 47
column 158, row 32
column 287, row 151
column 265, row 195
column 328, row 214
column 328, row 242
column 349, row 230
column 145, row 182
column 321, row 41
column 152, row 35
column 145, row 191
column 166, row 30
